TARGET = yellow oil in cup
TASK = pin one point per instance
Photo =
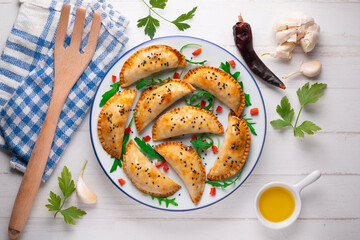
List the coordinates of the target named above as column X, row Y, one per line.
column 276, row 204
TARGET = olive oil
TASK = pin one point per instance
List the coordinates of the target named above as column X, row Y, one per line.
column 276, row 204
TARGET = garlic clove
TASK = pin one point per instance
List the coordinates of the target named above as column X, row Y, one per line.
column 311, row 69
column 310, row 38
column 83, row 192
column 284, row 50
column 283, row 36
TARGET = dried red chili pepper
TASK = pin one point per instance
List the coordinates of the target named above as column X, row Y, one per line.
column 243, row 40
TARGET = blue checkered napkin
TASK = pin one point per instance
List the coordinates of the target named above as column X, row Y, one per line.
column 27, row 73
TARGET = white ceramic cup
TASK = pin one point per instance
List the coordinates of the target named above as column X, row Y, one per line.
column 295, row 191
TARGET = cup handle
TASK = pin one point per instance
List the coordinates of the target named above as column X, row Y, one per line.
column 312, row 177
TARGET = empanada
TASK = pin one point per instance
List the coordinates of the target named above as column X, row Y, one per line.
column 156, row 99
column 112, row 120
column 187, row 164
column 184, row 120
column 233, row 151
column 149, row 60
column 144, row 175
column 220, row 84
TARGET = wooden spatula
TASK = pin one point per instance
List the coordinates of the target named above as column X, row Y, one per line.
column 69, row 65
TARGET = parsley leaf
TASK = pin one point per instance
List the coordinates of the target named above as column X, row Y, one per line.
column 226, row 183
column 158, row 3
column 306, row 94
column 150, row 24
column 166, row 200
column 247, row 120
column 148, row 150
column 67, row 187
column 147, row 83
column 201, row 95
column 107, row 95
column 183, row 17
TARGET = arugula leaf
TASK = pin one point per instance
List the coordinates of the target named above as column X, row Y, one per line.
column 201, row 95
column 148, row 150
column 67, row 187
column 147, row 83
column 150, row 24
column 166, row 200
column 183, row 17
column 247, row 120
column 107, row 95
column 158, row 3
column 201, row 143
column 226, row 183
column 192, row 62
column 66, row 184
column 72, row 213
column 306, row 94
column 117, row 163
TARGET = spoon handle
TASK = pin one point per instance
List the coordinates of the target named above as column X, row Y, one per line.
column 312, row 177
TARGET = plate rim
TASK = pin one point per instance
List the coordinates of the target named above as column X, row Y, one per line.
column 165, row 209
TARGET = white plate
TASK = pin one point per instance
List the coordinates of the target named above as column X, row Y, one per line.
column 214, row 54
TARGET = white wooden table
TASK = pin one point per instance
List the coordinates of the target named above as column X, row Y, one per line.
column 331, row 206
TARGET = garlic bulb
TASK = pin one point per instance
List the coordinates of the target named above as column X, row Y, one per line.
column 311, row 37
column 83, row 192
column 309, row 69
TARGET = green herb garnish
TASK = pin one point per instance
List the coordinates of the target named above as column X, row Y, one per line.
column 118, row 162
column 107, row 95
column 166, row 200
column 226, row 67
column 200, row 96
column 247, row 120
column 306, row 95
column 147, row 83
column 201, row 143
column 192, row 62
column 151, row 23
column 67, row 187
column 148, row 150
column 225, row 183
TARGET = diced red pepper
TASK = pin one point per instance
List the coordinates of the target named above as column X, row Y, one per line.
column 197, row 52
column 203, row 103
column 254, row 111
column 113, row 78
column 232, row 63
column 204, row 140
column 176, row 75
column 166, row 167
column 219, row 109
column 194, row 137
column 128, row 130
column 121, row 181
column 159, row 164
column 147, row 138
column 214, row 148
column 213, row 191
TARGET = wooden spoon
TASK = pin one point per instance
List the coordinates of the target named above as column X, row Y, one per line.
column 69, row 64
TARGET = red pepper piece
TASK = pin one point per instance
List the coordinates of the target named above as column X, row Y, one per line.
column 254, row 111
column 232, row 63
column 113, row 78
column 197, row 52
column 203, row 103
column 121, row 181
column 219, row 109
column 166, row 167
column 214, row 148
column 159, row 164
column 176, row 75
column 128, row 130
column 194, row 138
column 147, row 138
column 213, row 191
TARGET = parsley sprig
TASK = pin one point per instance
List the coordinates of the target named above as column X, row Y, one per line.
column 148, row 150
column 201, row 96
column 107, row 95
column 225, row 183
column 151, row 23
column 204, row 142
column 249, row 123
column 306, row 94
column 67, row 187
column 226, row 67
column 166, row 200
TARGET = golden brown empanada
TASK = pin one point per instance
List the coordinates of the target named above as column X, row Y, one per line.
column 233, row 151
column 187, row 164
column 220, row 84
column 156, row 99
column 112, row 120
column 184, row 120
column 149, row 60
column 144, row 175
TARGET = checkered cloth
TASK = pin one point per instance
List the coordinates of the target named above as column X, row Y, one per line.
column 27, row 73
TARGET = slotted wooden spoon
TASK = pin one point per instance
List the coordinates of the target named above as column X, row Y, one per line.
column 69, row 64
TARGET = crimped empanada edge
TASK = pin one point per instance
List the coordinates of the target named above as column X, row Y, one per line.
column 177, row 186
column 154, row 130
column 192, row 151
column 109, row 102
